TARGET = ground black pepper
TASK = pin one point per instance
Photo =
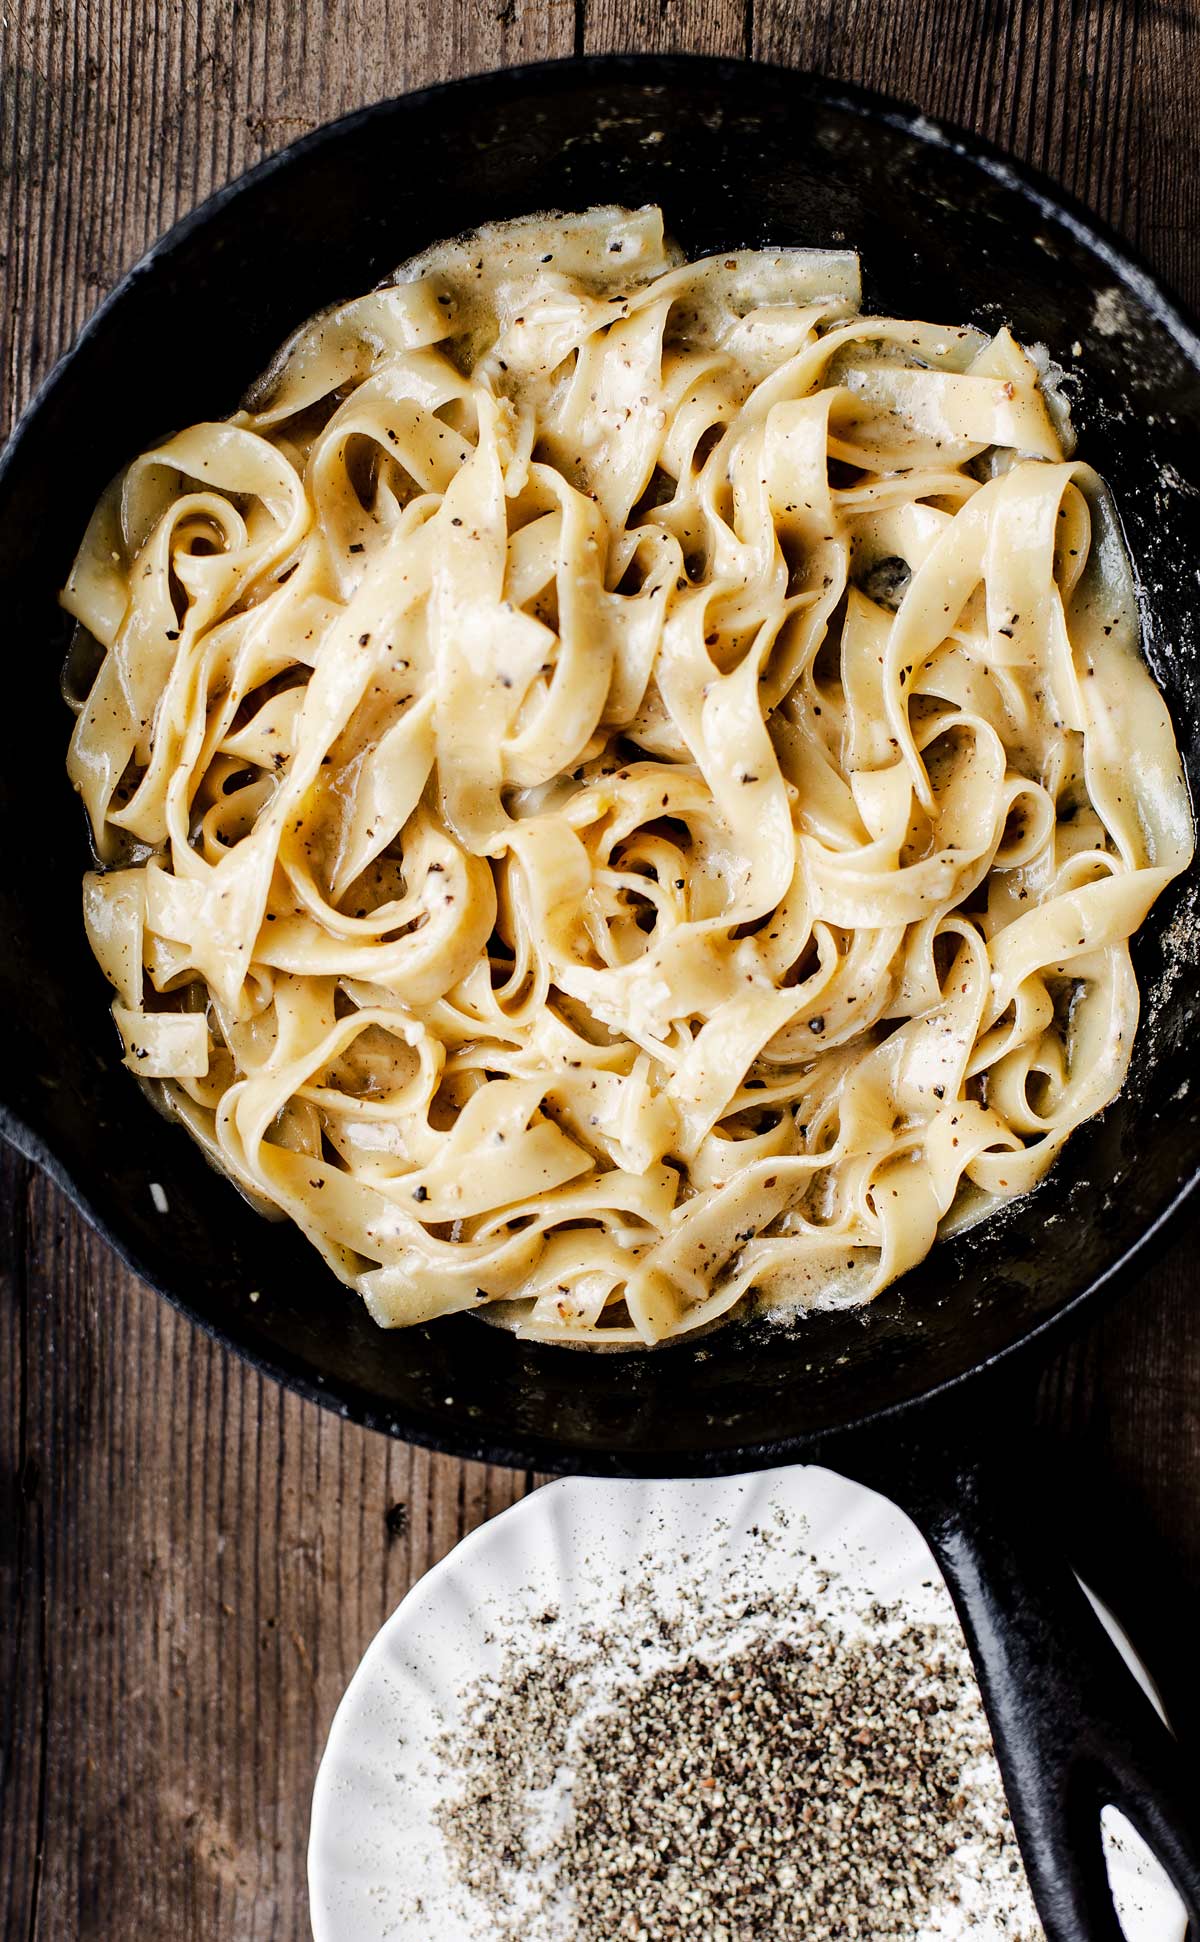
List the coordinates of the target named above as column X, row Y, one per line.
column 803, row 1781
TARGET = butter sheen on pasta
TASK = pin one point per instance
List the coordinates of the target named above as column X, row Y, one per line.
column 622, row 786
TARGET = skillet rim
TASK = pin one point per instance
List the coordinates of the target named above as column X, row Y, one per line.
column 441, row 1430
column 551, row 1454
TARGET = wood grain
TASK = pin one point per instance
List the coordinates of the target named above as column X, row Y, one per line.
column 192, row 1561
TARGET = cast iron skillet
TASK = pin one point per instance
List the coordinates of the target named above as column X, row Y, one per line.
column 737, row 155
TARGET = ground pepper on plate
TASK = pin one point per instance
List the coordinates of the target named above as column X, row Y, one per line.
column 800, row 1782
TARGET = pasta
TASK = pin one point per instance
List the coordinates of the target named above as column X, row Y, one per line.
column 622, row 787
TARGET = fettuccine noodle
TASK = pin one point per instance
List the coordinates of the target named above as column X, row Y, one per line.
column 622, row 787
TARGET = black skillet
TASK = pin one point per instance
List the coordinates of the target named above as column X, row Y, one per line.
column 737, row 155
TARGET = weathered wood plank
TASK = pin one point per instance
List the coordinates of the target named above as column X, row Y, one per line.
column 668, row 27
column 198, row 1562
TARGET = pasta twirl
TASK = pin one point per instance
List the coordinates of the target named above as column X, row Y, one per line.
column 622, row 787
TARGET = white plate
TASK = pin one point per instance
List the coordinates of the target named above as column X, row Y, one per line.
column 377, row 1868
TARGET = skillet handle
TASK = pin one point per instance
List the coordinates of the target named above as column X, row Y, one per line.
column 1073, row 1731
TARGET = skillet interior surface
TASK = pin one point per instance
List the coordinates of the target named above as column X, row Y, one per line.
column 737, row 155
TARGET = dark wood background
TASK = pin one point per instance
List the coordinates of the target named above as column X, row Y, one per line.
column 192, row 1561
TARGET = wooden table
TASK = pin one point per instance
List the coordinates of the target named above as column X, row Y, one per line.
column 192, row 1560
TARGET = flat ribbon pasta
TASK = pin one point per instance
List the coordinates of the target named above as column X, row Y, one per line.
column 621, row 787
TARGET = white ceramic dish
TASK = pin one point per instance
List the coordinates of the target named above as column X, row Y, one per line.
column 376, row 1863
